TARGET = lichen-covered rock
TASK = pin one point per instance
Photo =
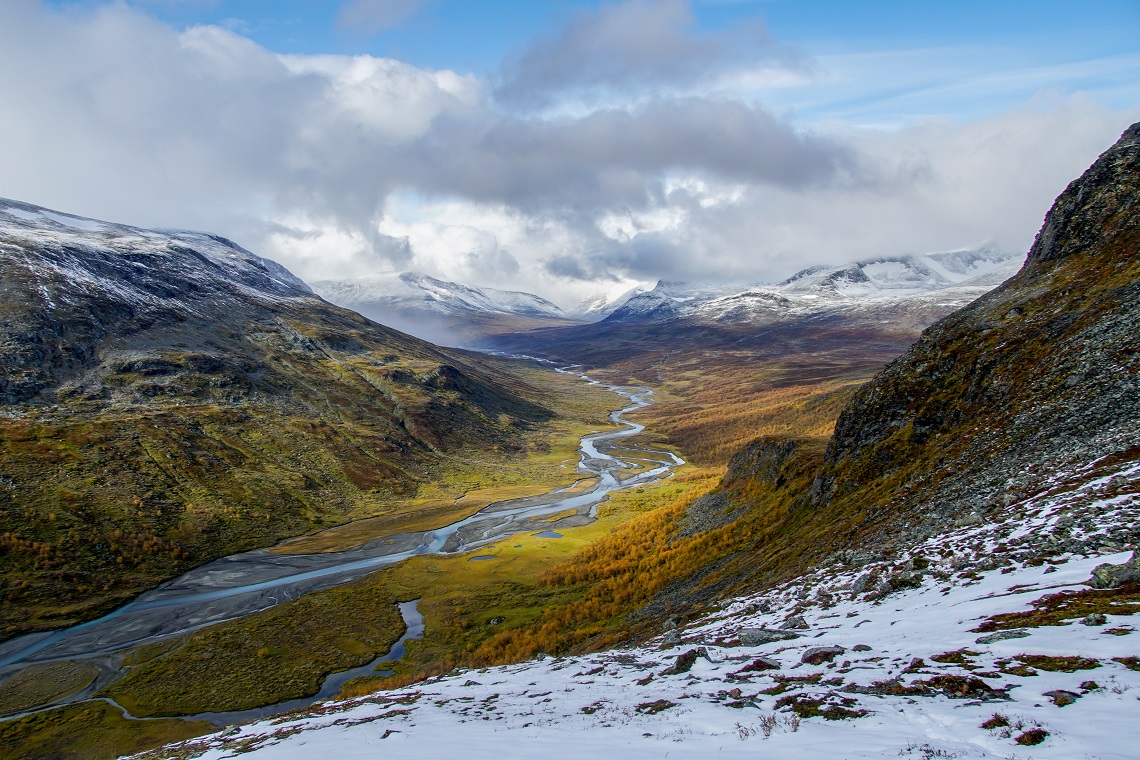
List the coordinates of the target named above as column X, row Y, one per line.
column 1113, row 576
column 1016, row 633
column 754, row 637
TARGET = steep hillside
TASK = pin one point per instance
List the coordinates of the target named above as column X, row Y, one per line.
column 170, row 397
column 1037, row 376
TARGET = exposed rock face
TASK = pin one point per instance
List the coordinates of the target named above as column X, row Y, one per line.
column 706, row 513
column 1038, row 374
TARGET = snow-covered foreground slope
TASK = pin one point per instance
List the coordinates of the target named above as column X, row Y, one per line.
column 876, row 658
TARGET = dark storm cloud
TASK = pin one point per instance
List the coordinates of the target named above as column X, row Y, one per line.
column 646, row 256
column 633, row 45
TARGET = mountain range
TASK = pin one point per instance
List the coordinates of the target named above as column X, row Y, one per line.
column 444, row 312
column 954, row 278
column 450, row 313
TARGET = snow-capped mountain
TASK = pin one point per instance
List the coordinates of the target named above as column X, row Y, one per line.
column 402, row 290
column 87, row 253
column 436, row 309
column 669, row 299
column 902, row 274
column 600, row 306
column 955, row 277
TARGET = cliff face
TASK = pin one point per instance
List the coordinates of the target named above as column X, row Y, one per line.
column 1038, row 375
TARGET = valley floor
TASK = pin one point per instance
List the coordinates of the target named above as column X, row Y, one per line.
column 931, row 658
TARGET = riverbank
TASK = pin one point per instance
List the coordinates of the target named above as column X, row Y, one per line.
column 250, row 675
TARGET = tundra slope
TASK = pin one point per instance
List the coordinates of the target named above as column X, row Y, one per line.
column 170, row 397
column 923, row 582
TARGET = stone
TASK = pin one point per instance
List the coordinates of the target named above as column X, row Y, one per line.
column 820, row 655
column 864, row 582
column 860, row 648
column 796, row 622
column 761, row 663
column 683, row 664
column 1060, row 697
column 1095, row 618
column 754, row 637
column 1016, row 633
column 672, row 639
column 1112, row 576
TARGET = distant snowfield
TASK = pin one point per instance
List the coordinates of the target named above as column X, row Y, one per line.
column 621, row 703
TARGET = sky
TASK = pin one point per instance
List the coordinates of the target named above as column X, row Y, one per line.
column 565, row 148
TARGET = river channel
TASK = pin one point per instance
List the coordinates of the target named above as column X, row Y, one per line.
column 241, row 584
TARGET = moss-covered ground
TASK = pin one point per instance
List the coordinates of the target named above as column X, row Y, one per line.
column 89, row 731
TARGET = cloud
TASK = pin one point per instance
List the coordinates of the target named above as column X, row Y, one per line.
column 632, row 45
column 588, row 164
column 343, row 165
column 372, row 16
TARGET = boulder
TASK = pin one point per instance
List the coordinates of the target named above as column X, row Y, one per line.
column 1016, row 633
column 820, row 655
column 1112, row 576
column 796, row 622
column 754, row 637
column 1060, row 697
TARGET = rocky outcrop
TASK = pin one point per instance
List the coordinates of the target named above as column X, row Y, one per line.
column 1103, row 204
column 1114, row 576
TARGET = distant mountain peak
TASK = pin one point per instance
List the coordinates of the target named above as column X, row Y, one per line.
column 963, row 275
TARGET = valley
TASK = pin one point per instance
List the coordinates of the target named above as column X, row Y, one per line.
column 951, row 465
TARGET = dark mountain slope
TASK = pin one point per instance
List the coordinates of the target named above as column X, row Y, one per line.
column 170, row 397
column 1036, row 377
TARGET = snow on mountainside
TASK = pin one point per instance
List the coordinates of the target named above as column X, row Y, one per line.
column 411, row 290
column 121, row 266
column 915, row 657
column 669, row 299
column 904, row 273
column 597, row 308
column 955, row 277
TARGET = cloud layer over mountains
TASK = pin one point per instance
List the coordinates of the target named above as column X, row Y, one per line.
column 606, row 152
